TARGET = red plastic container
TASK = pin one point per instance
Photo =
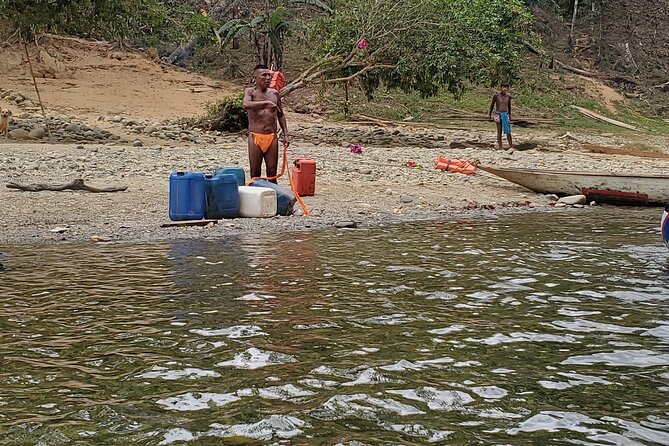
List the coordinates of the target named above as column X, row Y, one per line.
column 304, row 177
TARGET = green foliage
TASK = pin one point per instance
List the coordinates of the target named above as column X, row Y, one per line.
column 226, row 115
column 140, row 21
column 424, row 45
column 269, row 28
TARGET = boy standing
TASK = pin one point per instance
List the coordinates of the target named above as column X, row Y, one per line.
column 501, row 103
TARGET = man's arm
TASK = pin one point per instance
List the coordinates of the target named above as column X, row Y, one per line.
column 492, row 105
column 250, row 104
column 282, row 119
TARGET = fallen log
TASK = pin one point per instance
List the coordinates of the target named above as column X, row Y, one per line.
column 557, row 63
column 610, row 151
column 599, row 117
column 77, row 184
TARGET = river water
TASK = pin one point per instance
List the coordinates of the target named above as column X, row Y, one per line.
column 529, row 329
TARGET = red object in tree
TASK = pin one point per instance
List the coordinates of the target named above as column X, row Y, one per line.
column 278, row 80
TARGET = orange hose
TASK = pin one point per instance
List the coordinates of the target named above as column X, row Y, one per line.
column 304, row 207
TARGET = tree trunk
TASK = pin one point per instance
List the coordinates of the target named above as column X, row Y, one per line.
column 573, row 23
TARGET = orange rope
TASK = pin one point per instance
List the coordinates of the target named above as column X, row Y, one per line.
column 304, row 207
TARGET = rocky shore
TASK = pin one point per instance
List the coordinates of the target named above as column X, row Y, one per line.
column 353, row 190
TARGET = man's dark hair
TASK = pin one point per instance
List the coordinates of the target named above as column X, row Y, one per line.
column 505, row 84
column 260, row 66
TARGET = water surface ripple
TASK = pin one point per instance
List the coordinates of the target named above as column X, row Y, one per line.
column 520, row 330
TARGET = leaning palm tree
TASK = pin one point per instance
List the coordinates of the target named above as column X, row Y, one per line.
column 269, row 29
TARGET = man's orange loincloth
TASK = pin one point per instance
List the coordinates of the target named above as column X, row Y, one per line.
column 263, row 140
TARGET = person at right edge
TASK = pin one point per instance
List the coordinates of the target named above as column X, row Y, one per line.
column 263, row 105
column 501, row 104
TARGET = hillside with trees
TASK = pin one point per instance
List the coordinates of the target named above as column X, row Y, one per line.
column 422, row 47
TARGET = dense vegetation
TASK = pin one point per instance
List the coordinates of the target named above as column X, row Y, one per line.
column 420, row 45
column 142, row 22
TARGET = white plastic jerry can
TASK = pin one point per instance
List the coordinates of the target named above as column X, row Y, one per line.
column 257, row 202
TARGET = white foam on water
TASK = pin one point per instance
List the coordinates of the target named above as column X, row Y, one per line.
column 445, row 400
column 254, row 358
column 45, row 352
column 281, row 426
column 187, row 373
column 436, row 362
column 553, row 421
column 392, row 319
column 319, row 383
column 661, row 332
column 255, row 297
column 288, row 391
column 389, row 291
column 589, row 293
column 437, row 295
column 654, row 432
column 499, row 338
column 573, row 312
column 193, row 401
column 234, row 332
column 370, row 376
column 402, row 366
column 659, row 294
column 418, row 430
column 490, row 392
column 327, row 370
column 575, row 379
column 626, row 358
column 320, row 325
column 498, row 414
column 362, row 405
column 586, row 326
column 177, row 434
column 406, row 269
column 467, row 364
column 450, row 329
column 503, row 371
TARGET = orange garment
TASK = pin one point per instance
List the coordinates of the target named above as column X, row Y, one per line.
column 263, row 140
column 459, row 166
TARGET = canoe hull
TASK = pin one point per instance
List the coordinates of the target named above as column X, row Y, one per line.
column 610, row 188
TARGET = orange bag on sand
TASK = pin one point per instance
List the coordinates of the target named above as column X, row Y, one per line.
column 278, row 80
column 459, row 166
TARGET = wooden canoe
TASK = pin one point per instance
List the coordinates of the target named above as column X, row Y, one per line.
column 613, row 188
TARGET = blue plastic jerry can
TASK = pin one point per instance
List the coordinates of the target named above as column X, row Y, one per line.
column 222, row 196
column 238, row 172
column 187, row 199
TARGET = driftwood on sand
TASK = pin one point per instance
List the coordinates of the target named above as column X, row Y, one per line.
column 599, row 117
column 77, row 184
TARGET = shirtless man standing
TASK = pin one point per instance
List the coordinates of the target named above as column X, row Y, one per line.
column 501, row 103
column 263, row 105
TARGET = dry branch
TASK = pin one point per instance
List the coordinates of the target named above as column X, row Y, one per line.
column 77, row 184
